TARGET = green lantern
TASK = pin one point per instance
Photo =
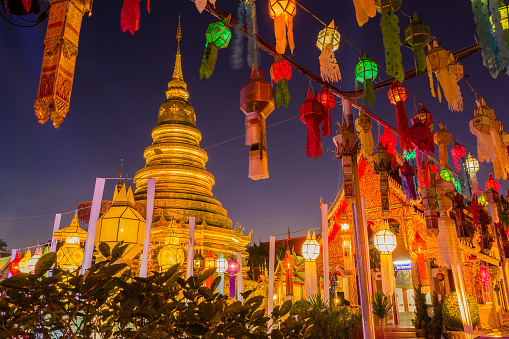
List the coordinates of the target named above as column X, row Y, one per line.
column 218, row 36
column 446, row 175
column 457, row 185
column 365, row 72
column 384, row 6
column 418, row 35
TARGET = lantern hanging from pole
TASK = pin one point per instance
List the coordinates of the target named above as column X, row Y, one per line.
column 233, row 269
column 417, row 35
column 218, row 36
column 472, row 167
column 446, row 175
column 346, row 150
column 501, row 164
column 283, row 11
column 397, row 96
column 328, row 43
column 328, row 101
column 456, row 72
column 480, row 126
column 280, row 73
column 429, row 203
column 458, row 152
column 363, row 126
column 443, row 138
column 288, row 264
column 364, row 9
column 312, row 114
column 382, row 160
column 418, row 247
column 199, row 262
column 407, row 172
column 384, row 240
column 424, row 116
column 422, row 138
column 257, row 102
column 389, row 23
column 437, row 61
column 484, row 277
column 365, row 72
column 346, row 245
column 170, row 255
column 492, row 184
column 59, row 60
column 14, row 264
column 389, row 140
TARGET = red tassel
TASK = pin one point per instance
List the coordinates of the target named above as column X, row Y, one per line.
column 148, row 6
column 419, row 168
column 130, row 16
column 475, row 207
column 27, row 4
column 326, row 125
column 426, row 171
column 405, row 140
column 314, row 142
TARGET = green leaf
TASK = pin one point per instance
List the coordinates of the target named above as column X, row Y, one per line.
column 44, row 264
column 18, row 281
column 276, row 334
column 104, row 248
column 129, row 304
column 285, row 308
column 256, row 299
column 215, row 283
column 256, row 315
column 205, row 292
column 207, row 274
column 118, row 251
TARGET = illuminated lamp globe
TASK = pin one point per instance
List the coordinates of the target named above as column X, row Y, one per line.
column 70, row 255
column 221, row 264
column 424, row 116
column 326, row 98
column 438, row 57
column 219, row 34
column 199, row 261
column 310, row 248
column 170, row 255
column 472, row 164
column 282, row 7
column 384, row 240
column 280, row 70
column 492, row 184
column 328, row 36
column 397, row 93
column 366, row 69
column 210, row 261
column 233, row 266
column 484, row 275
column 388, row 139
column 288, row 262
column 458, row 150
column 446, row 175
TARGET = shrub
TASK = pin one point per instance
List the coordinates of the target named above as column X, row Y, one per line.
column 436, row 323
column 452, row 315
column 421, row 317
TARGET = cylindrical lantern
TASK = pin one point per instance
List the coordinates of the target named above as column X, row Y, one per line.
column 310, row 251
column 385, row 241
column 312, row 114
column 382, row 160
column 472, row 167
column 288, row 264
column 233, row 269
column 443, row 138
column 310, row 248
column 346, row 149
column 419, row 246
column 222, row 266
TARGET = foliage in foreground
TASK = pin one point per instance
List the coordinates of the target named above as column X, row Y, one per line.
column 421, row 316
column 108, row 302
column 436, row 323
column 452, row 315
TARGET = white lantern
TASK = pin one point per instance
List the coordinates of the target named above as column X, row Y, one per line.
column 221, row 264
column 385, row 240
column 310, row 247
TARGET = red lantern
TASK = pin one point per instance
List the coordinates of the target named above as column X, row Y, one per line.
column 328, row 101
column 14, row 264
column 484, row 277
column 458, row 151
column 389, row 140
column 424, row 116
column 288, row 263
column 312, row 114
column 492, row 184
column 397, row 96
column 419, row 246
column 280, row 70
column 423, row 138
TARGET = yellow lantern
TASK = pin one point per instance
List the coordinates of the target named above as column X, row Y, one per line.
column 170, row 255
column 437, row 61
column 384, row 240
column 70, row 256
column 328, row 42
column 310, row 248
column 210, row 262
column 33, row 259
column 23, row 264
column 283, row 11
column 122, row 222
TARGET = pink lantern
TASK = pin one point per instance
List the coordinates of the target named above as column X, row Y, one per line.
column 492, row 184
column 233, row 269
column 484, row 277
column 458, row 151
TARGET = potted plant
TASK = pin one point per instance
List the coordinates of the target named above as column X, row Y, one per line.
column 381, row 306
column 435, row 325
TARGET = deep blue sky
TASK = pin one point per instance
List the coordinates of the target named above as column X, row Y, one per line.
column 120, row 82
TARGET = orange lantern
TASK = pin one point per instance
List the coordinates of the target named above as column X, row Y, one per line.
column 288, row 263
column 283, row 11
column 419, row 246
column 397, row 96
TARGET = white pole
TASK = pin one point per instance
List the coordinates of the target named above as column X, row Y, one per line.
column 56, row 227
column 13, row 255
column 325, row 244
column 190, row 248
column 92, row 223
column 240, row 288
column 151, row 190
column 270, row 301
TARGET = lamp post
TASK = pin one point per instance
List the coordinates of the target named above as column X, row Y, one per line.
column 210, row 263
column 310, row 251
column 221, row 265
column 288, row 263
column 419, row 246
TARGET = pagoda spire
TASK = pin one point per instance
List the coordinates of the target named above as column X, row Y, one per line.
column 177, row 71
column 177, row 87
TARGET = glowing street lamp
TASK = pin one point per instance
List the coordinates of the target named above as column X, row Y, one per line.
column 221, row 266
column 310, row 251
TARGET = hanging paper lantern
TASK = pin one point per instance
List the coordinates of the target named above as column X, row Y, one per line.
column 130, row 16
column 472, row 167
column 443, row 138
column 364, row 9
column 446, row 175
column 418, row 35
column 484, row 277
column 257, row 102
column 424, row 116
column 23, row 263
column 458, row 151
column 492, row 184
column 389, row 140
column 218, row 36
column 221, row 264
column 310, row 248
column 328, row 43
column 384, row 240
column 33, row 259
column 14, row 264
column 397, row 96
column 59, row 60
column 423, row 139
column 280, row 73
column 501, row 163
column 418, row 247
column 390, row 32
column 365, row 72
column 437, row 61
column 456, row 72
column 429, row 203
column 346, row 149
column 480, row 126
column 288, row 264
column 210, row 261
column 363, row 126
column 198, row 262
column 312, row 114
column 233, row 269
column 382, row 165
column 283, row 11
column 70, row 255
column 328, row 101
column 407, row 172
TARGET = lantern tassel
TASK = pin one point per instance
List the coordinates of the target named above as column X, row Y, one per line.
column 362, row 16
column 390, row 31
column 236, row 61
column 130, row 16
column 368, row 92
column 253, row 53
column 280, row 33
column 367, row 143
column 314, row 142
column 329, row 69
column 208, row 62
column 289, row 26
column 420, row 60
column 405, row 140
column 456, row 105
column 282, row 93
column 448, row 84
column 326, row 124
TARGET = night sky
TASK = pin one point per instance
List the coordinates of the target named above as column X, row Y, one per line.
column 120, row 82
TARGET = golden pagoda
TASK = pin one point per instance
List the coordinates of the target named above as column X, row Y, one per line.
column 183, row 185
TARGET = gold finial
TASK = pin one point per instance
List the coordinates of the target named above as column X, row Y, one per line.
column 179, row 31
column 119, row 185
column 177, row 72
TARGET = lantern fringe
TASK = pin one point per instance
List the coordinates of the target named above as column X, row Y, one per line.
column 253, row 53
column 314, row 142
column 364, row 9
column 448, row 84
column 405, row 140
column 420, row 60
column 289, row 26
column 280, row 33
column 236, row 61
column 200, row 5
column 456, row 105
column 208, row 62
column 367, row 143
column 326, row 124
column 390, row 31
column 329, row 69
column 282, row 93
column 130, row 16
column 485, row 147
column 368, row 92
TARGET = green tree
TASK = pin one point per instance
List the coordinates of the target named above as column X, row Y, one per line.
column 421, row 316
column 436, row 323
column 3, row 245
column 256, row 260
column 381, row 306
